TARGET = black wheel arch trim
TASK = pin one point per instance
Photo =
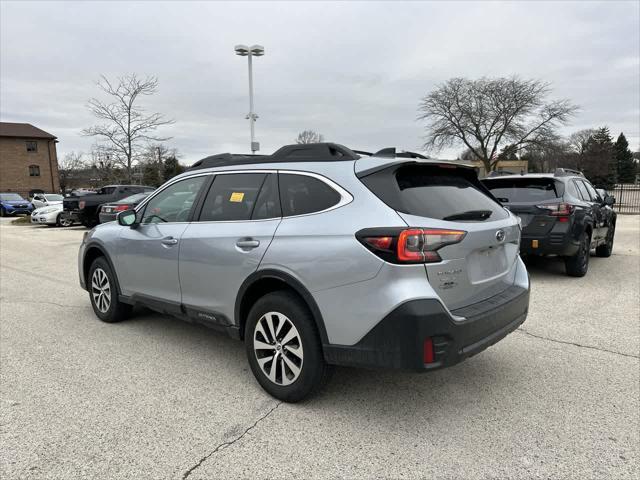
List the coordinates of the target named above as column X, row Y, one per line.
column 105, row 254
column 291, row 282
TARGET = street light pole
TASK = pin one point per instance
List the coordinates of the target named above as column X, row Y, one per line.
column 253, row 51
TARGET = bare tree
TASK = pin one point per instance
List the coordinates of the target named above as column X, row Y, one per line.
column 579, row 141
column 71, row 165
column 488, row 113
column 126, row 126
column 309, row 136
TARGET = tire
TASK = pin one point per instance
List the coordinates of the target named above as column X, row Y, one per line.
column 3, row 212
column 103, row 293
column 578, row 265
column 606, row 249
column 296, row 346
column 60, row 222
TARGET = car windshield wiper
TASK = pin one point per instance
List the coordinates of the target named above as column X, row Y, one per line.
column 470, row 215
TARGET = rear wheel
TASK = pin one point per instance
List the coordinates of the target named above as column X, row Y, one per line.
column 283, row 347
column 606, row 249
column 578, row 265
column 62, row 221
column 104, row 293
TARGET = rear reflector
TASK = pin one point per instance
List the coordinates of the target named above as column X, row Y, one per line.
column 429, row 357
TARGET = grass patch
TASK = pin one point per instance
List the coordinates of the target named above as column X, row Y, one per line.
column 21, row 220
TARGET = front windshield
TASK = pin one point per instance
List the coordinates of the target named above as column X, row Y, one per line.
column 8, row 197
column 53, row 197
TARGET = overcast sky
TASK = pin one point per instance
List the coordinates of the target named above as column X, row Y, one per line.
column 354, row 71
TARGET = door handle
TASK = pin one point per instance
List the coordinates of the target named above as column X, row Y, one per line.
column 248, row 243
column 169, row 241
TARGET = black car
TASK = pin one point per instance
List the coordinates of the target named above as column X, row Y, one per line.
column 562, row 214
column 109, row 211
column 86, row 208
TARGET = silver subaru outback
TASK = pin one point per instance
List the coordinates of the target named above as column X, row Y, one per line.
column 317, row 256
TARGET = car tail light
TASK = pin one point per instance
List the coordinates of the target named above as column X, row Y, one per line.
column 558, row 209
column 412, row 245
column 81, row 204
column 121, row 208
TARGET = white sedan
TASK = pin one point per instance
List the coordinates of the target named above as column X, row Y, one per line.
column 51, row 215
column 40, row 200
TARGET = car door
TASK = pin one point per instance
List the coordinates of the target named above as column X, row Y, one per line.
column 235, row 226
column 599, row 209
column 148, row 252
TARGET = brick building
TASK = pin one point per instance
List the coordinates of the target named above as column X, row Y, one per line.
column 28, row 159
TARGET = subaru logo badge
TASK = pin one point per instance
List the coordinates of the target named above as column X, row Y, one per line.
column 500, row 236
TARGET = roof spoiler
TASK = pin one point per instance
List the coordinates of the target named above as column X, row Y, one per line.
column 564, row 172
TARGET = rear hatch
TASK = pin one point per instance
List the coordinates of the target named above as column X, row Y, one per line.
column 447, row 196
column 528, row 198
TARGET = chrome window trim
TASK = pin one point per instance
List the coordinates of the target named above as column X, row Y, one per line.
column 345, row 197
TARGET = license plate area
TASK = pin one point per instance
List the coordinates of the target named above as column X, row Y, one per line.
column 488, row 263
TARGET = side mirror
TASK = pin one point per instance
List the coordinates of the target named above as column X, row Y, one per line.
column 127, row 218
column 609, row 200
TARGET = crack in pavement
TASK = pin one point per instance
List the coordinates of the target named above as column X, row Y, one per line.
column 630, row 355
column 229, row 443
column 33, row 302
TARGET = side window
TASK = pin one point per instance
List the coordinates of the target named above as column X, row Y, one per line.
column 32, row 146
column 174, row 203
column 268, row 202
column 592, row 192
column 302, row 194
column 583, row 191
column 572, row 189
column 34, row 171
column 232, row 197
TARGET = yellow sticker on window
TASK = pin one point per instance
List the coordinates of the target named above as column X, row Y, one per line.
column 236, row 197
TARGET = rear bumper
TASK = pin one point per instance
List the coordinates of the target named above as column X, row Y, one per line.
column 398, row 340
column 106, row 217
column 552, row 244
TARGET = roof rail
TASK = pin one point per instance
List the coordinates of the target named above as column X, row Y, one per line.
column 308, row 152
column 500, row 173
column 392, row 152
column 564, row 172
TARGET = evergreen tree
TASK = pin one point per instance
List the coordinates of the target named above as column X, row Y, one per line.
column 625, row 164
column 171, row 168
column 598, row 161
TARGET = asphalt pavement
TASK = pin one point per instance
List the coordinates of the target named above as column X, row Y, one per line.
column 154, row 397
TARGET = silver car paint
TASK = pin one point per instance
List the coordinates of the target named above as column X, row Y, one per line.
column 354, row 289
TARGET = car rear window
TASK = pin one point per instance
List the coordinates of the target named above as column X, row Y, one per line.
column 444, row 193
column 523, row 190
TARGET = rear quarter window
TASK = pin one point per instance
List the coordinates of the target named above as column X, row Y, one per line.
column 435, row 192
column 524, row 190
column 302, row 194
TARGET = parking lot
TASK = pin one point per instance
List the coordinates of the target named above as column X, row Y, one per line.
column 154, row 397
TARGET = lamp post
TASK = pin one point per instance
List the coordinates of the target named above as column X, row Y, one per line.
column 249, row 52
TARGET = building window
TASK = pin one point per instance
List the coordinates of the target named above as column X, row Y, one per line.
column 34, row 171
column 32, row 146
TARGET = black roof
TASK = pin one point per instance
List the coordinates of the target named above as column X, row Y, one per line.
column 309, row 152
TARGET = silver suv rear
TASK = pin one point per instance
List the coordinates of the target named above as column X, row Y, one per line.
column 318, row 256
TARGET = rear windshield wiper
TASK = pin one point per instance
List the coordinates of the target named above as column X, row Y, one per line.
column 470, row 215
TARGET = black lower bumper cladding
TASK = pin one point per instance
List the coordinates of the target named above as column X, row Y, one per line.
column 398, row 340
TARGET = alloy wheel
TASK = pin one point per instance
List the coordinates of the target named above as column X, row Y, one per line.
column 101, row 290
column 278, row 348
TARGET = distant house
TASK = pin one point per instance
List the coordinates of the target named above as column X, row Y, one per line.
column 28, row 159
column 513, row 166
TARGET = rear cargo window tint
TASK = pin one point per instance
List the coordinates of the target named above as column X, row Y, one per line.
column 302, row 194
column 435, row 192
column 517, row 190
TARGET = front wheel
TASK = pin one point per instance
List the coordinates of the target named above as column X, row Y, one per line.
column 3, row 212
column 104, row 293
column 283, row 347
column 578, row 265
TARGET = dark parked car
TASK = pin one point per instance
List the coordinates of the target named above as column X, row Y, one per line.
column 562, row 214
column 86, row 208
column 13, row 204
column 109, row 211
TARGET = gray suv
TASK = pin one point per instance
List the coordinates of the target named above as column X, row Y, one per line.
column 318, row 256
